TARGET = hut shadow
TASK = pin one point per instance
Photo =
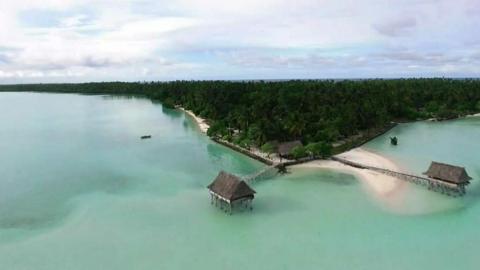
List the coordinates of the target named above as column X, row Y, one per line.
column 473, row 190
column 473, row 194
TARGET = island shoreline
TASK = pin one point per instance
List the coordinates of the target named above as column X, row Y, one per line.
column 381, row 189
column 203, row 126
column 385, row 188
column 201, row 123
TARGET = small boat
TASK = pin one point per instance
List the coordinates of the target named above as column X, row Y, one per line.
column 146, row 137
column 393, row 140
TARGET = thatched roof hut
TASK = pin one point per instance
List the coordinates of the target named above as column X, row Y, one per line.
column 229, row 188
column 285, row 149
column 448, row 173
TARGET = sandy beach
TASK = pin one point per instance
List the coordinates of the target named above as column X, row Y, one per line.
column 203, row 126
column 201, row 123
column 383, row 187
column 473, row 115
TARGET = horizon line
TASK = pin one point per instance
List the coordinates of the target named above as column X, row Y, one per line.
column 250, row 80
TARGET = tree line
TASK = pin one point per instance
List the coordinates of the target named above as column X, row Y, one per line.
column 317, row 112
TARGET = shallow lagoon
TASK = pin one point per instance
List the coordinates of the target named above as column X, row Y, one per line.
column 80, row 190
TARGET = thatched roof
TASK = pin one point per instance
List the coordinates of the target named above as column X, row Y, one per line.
column 449, row 173
column 285, row 149
column 230, row 187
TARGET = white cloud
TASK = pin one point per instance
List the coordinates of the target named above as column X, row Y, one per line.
column 97, row 40
column 74, row 21
column 397, row 27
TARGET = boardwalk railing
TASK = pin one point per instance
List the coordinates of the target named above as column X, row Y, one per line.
column 243, row 151
column 432, row 184
column 264, row 173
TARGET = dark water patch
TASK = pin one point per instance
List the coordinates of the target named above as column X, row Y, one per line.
column 46, row 206
column 339, row 179
column 273, row 204
column 26, row 217
column 324, row 176
column 176, row 114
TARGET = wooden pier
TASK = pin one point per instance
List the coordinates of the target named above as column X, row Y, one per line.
column 441, row 186
column 264, row 173
column 229, row 191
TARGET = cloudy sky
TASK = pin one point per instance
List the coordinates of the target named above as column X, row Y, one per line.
column 137, row 40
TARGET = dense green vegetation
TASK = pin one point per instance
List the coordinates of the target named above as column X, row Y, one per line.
column 317, row 112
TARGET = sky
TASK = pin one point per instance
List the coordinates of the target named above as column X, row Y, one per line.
column 145, row 40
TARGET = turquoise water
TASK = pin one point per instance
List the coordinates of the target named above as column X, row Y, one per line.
column 80, row 190
column 453, row 142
